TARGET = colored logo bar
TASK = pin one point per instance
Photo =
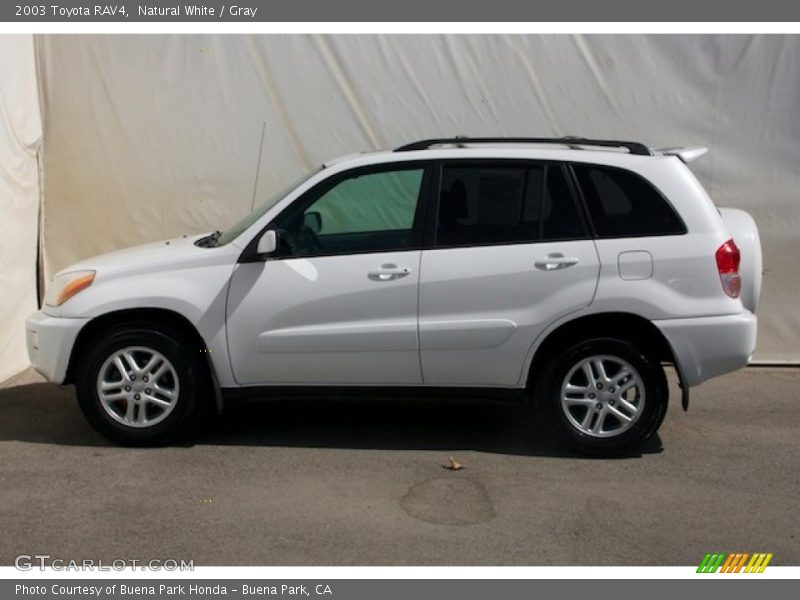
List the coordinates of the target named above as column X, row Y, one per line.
column 734, row 563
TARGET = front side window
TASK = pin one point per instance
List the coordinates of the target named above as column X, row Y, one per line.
column 368, row 212
column 623, row 204
column 500, row 204
column 234, row 231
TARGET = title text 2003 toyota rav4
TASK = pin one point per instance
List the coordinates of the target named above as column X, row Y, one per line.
column 567, row 271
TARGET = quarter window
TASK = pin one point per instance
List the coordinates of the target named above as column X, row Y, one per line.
column 623, row 204
column 506, row 204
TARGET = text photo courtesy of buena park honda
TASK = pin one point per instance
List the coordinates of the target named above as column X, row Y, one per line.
column 399, row 300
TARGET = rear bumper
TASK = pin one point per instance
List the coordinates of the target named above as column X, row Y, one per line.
column 50, row 341
column 706, row 347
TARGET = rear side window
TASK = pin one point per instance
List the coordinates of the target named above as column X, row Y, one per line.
column 623, row 204
column 505, row 204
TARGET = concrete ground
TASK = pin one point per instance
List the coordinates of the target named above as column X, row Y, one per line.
column 361, row 483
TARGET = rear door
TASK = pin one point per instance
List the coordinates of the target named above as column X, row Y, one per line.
column 510, row 254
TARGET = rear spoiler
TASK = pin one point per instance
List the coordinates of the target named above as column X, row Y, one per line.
column 686, row 153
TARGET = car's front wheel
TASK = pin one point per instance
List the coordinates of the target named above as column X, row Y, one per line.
column 138, row 385
column 603, row 396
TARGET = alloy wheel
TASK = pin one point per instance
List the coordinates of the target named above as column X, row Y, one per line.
column 138, row 386
column 602, row 396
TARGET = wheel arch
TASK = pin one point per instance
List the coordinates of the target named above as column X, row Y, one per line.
column 635, row 328
column 158, row 317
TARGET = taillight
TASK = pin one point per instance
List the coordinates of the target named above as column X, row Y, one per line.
column 728, row 258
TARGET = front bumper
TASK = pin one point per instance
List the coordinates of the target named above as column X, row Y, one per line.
column 50, row 341
column 705, row 347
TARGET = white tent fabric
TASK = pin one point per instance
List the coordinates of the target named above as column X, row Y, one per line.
column 154, row 136
column 20, row 136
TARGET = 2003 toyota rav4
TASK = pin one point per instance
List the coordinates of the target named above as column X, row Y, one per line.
column 568, row 271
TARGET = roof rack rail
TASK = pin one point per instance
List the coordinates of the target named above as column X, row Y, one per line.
column 572, row 142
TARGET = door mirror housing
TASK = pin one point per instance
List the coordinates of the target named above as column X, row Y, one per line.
column 268, row 242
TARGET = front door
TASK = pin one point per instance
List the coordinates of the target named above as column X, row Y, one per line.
column 338, row 304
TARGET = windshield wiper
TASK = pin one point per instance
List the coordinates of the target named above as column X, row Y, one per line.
column 208, row 241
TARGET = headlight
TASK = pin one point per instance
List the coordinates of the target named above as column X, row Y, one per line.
column 65, row 286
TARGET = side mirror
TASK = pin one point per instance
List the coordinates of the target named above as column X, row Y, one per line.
column 268, row 242
column 313, row 220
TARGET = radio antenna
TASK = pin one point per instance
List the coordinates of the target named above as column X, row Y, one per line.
column 258, row 164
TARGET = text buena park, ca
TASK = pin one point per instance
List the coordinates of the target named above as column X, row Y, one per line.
column 173, row 590
column 113, row 10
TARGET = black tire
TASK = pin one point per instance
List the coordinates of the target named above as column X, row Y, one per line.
column 192, row 379
column 655, row 398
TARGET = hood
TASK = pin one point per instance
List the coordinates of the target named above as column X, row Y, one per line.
column 146, row 257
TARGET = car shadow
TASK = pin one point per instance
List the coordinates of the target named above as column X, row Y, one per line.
column 49, row 414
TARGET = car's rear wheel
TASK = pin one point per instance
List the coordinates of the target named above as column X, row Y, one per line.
column 138, row 385
column 603, row 396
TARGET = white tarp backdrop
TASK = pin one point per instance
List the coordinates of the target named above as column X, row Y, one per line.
column 154, row 136
column 20, row 136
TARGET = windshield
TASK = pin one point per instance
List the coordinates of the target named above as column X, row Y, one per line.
column 236, row 230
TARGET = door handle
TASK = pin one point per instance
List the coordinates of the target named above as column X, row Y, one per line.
column 388, row 272
column 555, row 261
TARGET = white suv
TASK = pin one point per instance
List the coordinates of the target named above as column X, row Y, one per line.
column 565, row 270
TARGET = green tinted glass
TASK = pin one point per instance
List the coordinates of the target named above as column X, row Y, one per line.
column 374, row 202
